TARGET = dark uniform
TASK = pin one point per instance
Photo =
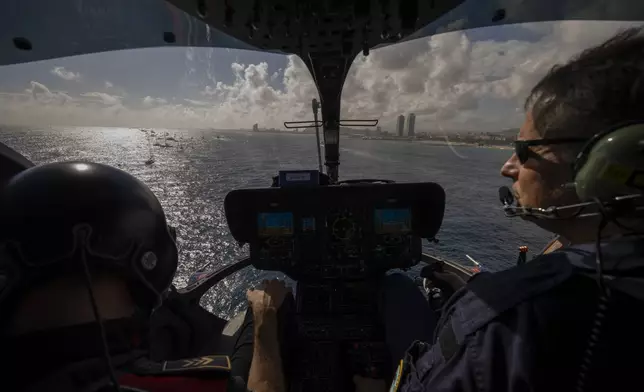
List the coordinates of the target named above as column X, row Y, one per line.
column 94, row 218
column 542, row 326
column 55, row 361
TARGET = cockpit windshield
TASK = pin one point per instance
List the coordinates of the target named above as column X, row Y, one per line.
column 195, row 113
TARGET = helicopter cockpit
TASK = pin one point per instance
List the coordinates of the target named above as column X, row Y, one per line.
column 335, row 238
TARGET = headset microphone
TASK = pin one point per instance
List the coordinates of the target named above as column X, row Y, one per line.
column 608, row 178
column 505, row 196
column 507, row 199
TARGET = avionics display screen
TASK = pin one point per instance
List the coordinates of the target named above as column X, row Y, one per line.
column 392, row 221
column 275, row 224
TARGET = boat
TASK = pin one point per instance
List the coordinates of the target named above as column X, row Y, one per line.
column 336, row 310
column 165, row 143
column 150, row 159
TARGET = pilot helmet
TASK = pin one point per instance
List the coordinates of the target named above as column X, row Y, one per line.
column 63, row 217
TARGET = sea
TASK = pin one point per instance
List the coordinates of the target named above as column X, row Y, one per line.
column 192, row 177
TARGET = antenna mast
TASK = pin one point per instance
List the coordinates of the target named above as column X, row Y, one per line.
column 315, row 105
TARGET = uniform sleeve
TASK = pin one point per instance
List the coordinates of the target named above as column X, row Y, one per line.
column 494, row 358
column 236, row 384
column 432, row 373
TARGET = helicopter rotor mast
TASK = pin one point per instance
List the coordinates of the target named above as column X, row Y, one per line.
column 329, row 75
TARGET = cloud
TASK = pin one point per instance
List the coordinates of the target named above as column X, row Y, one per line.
column 449, row 80
column 106, row 99
column 40, row 93
column 198, row 103
column 452, row 81
column 209, row 90
column 65, row 74
column 151, row 101
column 108, row 84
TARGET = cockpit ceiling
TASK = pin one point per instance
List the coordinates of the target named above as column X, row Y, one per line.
column 32, row 30
column 331, row 28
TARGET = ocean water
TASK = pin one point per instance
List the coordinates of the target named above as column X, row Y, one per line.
column 192, row 178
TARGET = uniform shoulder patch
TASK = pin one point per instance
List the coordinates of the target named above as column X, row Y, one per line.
column 209, row 362
column 209, row 365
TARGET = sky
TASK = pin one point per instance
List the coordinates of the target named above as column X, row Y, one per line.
column 473, row 80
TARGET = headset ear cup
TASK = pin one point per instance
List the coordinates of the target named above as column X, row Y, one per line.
column 579, row 163
column 611, row 164
column 582, row 157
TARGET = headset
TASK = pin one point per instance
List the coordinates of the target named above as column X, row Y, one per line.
column 608, row 178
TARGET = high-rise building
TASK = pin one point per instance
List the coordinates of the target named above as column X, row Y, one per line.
column 411, row 125
column 401, row 125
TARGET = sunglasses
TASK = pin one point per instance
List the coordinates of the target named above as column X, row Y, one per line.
column 522, row 147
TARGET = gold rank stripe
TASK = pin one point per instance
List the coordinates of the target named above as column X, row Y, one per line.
column 198, row 363
column 396, row 384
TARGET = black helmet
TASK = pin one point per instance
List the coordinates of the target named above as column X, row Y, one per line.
column 54, row 216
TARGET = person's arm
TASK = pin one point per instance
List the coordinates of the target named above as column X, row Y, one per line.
column 364, row 384
column 266, row 373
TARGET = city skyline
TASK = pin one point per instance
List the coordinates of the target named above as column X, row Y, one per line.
column 400, row 126
column 411, row 124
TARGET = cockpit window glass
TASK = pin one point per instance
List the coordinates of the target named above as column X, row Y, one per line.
column 195, row 113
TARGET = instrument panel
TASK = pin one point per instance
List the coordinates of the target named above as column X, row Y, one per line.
column 340, row 243
column 335, row 232
column 336, row 241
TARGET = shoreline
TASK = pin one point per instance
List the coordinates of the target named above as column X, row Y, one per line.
column 492, row 146
column 443, row 143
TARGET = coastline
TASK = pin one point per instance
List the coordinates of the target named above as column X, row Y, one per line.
column 392, row 139
column 463, row 144
column 492, row 146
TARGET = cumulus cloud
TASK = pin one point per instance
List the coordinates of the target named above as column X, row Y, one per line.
column 151, row 101
column 451, row 81
column 198, row 103
column 446, row 78
column 41, row 93
column 108, row 84
column 65, row 74
column 106, row 99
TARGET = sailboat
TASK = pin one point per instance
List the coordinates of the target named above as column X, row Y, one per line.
column 165, row 141
column 151, row 156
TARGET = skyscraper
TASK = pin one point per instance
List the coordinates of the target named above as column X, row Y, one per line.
column 401, row 125
column 411, row 125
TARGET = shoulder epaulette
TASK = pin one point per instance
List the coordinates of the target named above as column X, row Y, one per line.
column 207, row 366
